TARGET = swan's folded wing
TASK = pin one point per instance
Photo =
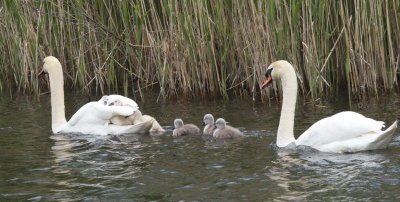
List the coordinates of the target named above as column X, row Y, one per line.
column 79, row 114
column 369, row 141
column 339, row 127
column 96, row 112
column 121, row 110
column 106, row 112
column 143, row 127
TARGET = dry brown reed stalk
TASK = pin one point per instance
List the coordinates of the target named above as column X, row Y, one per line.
column 207, row 48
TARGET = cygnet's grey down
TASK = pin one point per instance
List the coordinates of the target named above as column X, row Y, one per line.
column 135, row 118
column 209, row 127
column 118, row 100
column 224, row 131
column 184, row 129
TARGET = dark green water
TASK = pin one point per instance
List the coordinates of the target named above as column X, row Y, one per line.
column 36, row 165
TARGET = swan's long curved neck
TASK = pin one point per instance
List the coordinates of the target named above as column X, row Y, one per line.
column 285, row 134
column 57, row 100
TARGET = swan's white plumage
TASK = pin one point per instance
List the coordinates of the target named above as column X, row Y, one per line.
column 368, row 141
column 343, row 132
column 339, row 127
column 347, row 132
column 93, row 117
column 143, row 127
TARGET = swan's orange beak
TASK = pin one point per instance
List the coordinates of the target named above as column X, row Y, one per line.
column 268, row 81
column 41, row 72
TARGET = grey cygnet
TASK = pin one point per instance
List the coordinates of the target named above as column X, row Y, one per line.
column 209, row 127
column 184, row 129
column 224, row 131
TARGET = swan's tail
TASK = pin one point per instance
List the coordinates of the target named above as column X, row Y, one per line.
column 143, row 127
column 386, row 136
column 392, row 128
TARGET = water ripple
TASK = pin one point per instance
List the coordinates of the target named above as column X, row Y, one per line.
column 36, row 165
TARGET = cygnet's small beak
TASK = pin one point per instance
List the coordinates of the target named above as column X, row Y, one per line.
column 203, row 123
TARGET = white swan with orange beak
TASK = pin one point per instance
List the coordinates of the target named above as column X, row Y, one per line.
column 343, row 132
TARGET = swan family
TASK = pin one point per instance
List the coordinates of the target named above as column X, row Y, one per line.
column 116, row 114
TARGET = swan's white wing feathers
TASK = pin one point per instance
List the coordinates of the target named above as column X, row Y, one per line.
column 369, row 141
column 93, row 118
column 97, row 113
column 339, row 127
column 143, row 127
column 75, row 119
column 109, row 111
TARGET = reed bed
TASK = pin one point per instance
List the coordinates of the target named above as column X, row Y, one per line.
column 202, row 47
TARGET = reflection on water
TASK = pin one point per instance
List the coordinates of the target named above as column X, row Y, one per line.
column 36, row 165
column 316, row 174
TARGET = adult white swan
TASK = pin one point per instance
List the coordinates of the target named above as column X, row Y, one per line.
column 91, row 118
column 343, row 132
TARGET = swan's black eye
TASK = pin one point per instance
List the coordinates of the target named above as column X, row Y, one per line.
column 268, row 73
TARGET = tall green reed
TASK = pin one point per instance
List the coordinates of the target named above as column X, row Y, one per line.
column 204, row 47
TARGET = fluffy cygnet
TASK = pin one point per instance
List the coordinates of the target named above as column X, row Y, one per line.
column 118, row 100
column 224, row 131
column 208, row 122
column 137, row 118
column 182, row 130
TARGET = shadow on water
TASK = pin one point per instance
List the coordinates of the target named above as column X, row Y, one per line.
column 37, row 165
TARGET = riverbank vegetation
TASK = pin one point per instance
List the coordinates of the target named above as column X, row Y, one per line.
column 203, row 47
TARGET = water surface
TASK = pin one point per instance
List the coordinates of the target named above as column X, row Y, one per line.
column 36, row 165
